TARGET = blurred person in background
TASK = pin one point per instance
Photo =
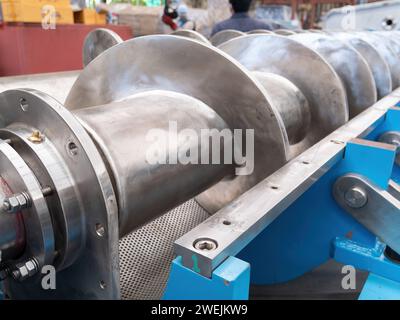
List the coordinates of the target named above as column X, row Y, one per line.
column 183, row 19
column 240, row 19
column 170, row 13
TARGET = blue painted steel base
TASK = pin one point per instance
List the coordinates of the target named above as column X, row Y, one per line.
column 230, row 281
column 364, row 258
column 308, row 233
column 302, row 237
column 379, row 288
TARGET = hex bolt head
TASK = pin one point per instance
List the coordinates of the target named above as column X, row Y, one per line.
column 16, row 202
column 25, row 270
column 23, row 202
column 356, row 197
column 6, row 205
column 13, row 203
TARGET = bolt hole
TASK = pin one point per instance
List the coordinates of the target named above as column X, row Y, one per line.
column 306, row 162
column 226, row 222
column 103, row 285
column 72, row 148
column 275, row 187
column 388, row 23
column 337, row 142
column 205, row 244
column 24, row 104
column 100, row 230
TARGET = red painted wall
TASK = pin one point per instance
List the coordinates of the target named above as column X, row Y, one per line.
column 27, row 48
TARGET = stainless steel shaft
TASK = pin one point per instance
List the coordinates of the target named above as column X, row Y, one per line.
column 126, row 134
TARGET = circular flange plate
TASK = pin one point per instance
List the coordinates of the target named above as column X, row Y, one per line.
column 379, row 67
column 292, row 60
column 92, row 182
column 139, row 65
column 192, row 35
column 349, row 65
column 225, row 35
column 40, row 240
column 50, row 170
column 98, row 41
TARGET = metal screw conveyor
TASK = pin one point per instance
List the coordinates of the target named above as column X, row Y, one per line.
column 78, row 192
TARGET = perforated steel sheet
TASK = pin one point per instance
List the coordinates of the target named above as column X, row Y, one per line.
column 146, row 254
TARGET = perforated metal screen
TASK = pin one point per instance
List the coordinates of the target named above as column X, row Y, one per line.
column 146, row 254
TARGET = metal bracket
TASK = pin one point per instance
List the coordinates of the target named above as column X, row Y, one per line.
column 373, row 207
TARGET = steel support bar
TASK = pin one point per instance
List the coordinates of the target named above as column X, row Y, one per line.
column 236, row 225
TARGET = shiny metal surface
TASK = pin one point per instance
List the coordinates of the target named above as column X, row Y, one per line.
column 63, row 202
column 285, row 57
column 379, row 67
column 96, row 42
column 147, row 190
column 384, row 47
column 192, row 35
column 12, row 230
column 380, row 214
column 225, row 86
column 251, row 212
column 260, row 31
column 284, row 32
column 39, row 236
column 224, row 36
column 351, row 67
column 290, row 102
column 56, row 84
column 99, row 258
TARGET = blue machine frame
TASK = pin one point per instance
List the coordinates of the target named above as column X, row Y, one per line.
column 312, row 230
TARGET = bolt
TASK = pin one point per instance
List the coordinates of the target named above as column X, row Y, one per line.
column 393, row 138
column 16, row 202
column 205, row 245
column 4, row 274
column 6, row 206
column 47, row 191
column 25, row 270
column 356, row 197
column 36, row 137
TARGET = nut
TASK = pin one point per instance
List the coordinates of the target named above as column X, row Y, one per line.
column 25, row 270
column 16, row 202
column 12, row 203
column 36, row 137
column 21, row 271
column 31, row 267
column 22, row 200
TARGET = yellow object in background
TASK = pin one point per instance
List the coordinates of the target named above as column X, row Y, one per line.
column 37, row 11
column 89, row 16
column 101, row 18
